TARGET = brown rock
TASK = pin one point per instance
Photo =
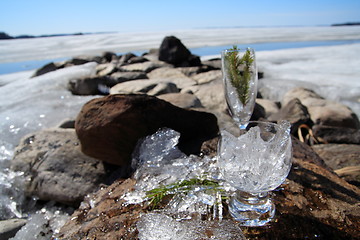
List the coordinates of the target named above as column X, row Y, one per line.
column 323, row 111
column 337, row 134
column 343, row 158
column 109, row 127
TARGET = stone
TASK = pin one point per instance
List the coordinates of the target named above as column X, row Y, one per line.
column 214, row 63
column 128, row 76
column 295, row 113
column 192, row 71
column 141, row 67
column 322, row 111
column 330, row 134
column 182, row 100
column 166, row 72
column 124, row 59
column 163, row 88
column 271, row 107
column 56, row 168
column 314, row 203
column 9, row 227
column 207, row 77
column 151, row 87
column 45, row 69
column 341, row 157
column 106, row 69
column 137, row 59
column 109, row 56
column 90, row 85
column 110, row 132
column 173, row 51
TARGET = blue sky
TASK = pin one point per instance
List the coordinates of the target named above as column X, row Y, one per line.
column 37, row 17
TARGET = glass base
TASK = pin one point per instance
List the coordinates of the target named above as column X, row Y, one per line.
column 252, row 209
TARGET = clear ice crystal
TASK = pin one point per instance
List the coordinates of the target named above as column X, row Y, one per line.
column 252, row 164
column 153, row 226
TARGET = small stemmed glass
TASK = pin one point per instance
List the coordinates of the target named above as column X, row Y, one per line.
column 240, row 82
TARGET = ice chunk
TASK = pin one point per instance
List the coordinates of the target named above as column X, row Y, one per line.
column 161, row 226
column 257, row 161
column 42, row 225
column 153, row 149
column 155, row 226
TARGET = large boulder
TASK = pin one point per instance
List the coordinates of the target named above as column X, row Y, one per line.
column 323, row 111
column 56, row 168
column 173, row 51
column 109, row 127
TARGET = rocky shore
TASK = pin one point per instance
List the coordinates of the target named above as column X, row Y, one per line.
column 90, row 156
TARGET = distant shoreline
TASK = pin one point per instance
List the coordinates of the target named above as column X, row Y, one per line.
column 5, row 36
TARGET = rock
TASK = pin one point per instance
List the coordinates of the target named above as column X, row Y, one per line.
column 182, row 100
column 341, row 157
column 142, row 67
column 271, row 107
column 258, row 113
column 8, row 228
column 137, row 60
column 214, row 63
column 173, row 51
column 56, row 168
column 110, row 132
column 322, row 111
column 79, row 60
column 90, row 85
column 163, row 88
column 106, row 69
column 314, row 203
column 166, row 72
column 295, row 113
column 192, row 71
column 207, row 77
column 124, row 59
column 337, row 134
column 45, row 69
column 109, row 56
column 151, row 87
column 128, row 76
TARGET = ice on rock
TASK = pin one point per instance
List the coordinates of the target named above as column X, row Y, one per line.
column 42, row 225
column 159, row 226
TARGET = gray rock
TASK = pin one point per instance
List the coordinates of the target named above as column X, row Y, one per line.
column 163, row 88
column 322, row 111
column 149, row 86
column 128, row 76
column 106, row 69
column 90, row 85
column 45, row 69
column 183, row 100
column 56, row 168
column 295, row 113
column 142, row 67
column 207, row 77
column 271, row 107
column 9, row 227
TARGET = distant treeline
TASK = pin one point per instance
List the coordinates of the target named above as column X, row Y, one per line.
column 4, row 35
column 345, row 24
